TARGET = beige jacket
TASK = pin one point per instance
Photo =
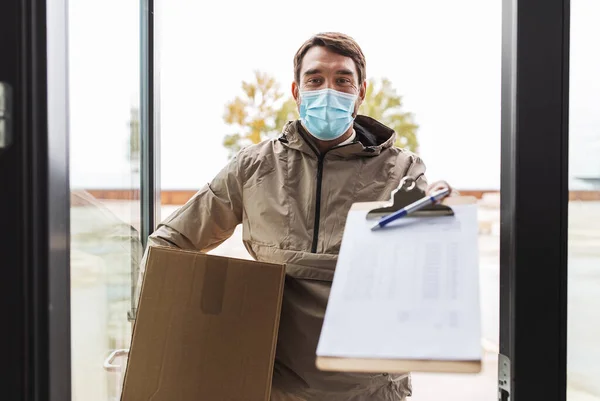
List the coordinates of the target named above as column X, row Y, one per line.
column 293, row 203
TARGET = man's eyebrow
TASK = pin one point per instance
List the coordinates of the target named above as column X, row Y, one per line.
column 344, row 71
column 312, row 71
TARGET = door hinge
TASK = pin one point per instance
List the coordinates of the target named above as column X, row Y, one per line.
column 503, row 378
column 5, row 115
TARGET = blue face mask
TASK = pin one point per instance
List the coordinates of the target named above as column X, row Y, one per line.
column 327, row 113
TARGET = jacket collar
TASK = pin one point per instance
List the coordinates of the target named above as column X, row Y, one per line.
column 372, row 137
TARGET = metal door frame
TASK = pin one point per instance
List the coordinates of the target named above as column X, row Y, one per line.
column 34, row 202
column 534, row 198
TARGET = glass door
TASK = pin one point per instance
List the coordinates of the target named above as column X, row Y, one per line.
column 444, row 92
column 109, row 120
column 70, row 254
column 583, row 354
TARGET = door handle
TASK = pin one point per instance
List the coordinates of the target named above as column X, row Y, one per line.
column 108, row 363
column 5, row 115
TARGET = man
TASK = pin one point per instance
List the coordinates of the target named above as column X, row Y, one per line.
column 292, row 195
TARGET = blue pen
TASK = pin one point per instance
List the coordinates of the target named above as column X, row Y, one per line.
column 413, row 207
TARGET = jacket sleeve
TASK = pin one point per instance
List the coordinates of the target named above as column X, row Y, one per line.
column 205, row 221
column 416, row 170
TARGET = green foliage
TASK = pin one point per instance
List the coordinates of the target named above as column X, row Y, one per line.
column 383, row 103
column 259, row 113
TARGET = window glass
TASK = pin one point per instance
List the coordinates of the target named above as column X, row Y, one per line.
column 105, row 175
column 583, row 350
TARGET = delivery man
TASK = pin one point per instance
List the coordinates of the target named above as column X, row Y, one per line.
column 292, row 194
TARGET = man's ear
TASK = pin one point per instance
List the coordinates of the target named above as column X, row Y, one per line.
column 295, row 91
column 362, row 93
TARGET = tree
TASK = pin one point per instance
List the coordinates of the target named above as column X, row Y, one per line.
column 262, row 111
column 383, row 103
column 259, row 113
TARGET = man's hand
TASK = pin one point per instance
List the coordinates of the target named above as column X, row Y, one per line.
column 440, row 185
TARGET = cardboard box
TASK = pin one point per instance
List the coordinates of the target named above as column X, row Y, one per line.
column 206, row 329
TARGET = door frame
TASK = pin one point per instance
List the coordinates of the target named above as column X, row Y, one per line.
column 34, row 202
column 534, row 198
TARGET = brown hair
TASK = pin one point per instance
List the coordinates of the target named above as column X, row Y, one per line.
column 337, row 43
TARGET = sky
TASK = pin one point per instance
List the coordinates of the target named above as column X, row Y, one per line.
column 443, row 57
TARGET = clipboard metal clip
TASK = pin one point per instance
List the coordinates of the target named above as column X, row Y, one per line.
column 407, row 193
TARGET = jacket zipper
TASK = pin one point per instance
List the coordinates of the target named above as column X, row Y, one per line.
column 320, row 163
column 318, row 203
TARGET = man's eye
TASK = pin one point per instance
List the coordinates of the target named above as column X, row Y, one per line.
column 343, row 81
column 314, row 80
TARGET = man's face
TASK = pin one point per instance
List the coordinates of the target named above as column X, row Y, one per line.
column 324, row 69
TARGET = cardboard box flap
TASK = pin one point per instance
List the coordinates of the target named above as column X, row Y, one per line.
column 206, row 329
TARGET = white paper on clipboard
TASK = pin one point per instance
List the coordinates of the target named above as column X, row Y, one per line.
column 409, row 291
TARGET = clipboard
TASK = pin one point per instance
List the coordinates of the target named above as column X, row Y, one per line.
column 406, row 194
